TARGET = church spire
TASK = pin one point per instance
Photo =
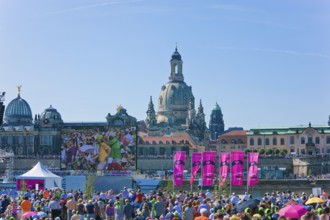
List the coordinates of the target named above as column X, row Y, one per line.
column 200, row 107
column 176, row 66
column 151, row 114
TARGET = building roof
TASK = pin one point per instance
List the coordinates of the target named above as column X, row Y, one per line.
column 234, row 133
column 169, row 139
column 287, row 130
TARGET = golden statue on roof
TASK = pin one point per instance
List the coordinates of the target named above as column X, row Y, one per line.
column 19, row 89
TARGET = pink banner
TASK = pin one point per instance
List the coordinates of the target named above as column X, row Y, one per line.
column 237, row 168
column 224, row 168
column 196, row 162
column 253, row 169
column 35, row 184
column 208, row 168
column 178, row 167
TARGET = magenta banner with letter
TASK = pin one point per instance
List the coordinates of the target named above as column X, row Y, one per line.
column 253, row 169
column 208, row 168
column 224, row 168
column 237, row 168
column 196, row 163
column 178, row 167
column 35, row 184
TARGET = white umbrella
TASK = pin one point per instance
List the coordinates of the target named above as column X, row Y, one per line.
column 87, row 148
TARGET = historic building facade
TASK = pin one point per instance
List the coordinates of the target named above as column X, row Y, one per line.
column 40, row 138
column 300, row 140
column 234, row 139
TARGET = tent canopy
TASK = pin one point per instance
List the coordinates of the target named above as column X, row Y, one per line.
column 39, row 171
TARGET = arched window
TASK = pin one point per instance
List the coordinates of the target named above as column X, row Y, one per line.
column 274, row 141
column 259, row 141
column 252, row 141
column 223, row 141
column 282, row 141
column 267, row 141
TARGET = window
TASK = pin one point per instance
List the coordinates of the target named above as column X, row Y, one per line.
column 10, row 140
column 233, row 141
column 259, row 141
column 239, row 141
column 252, row 141
column 302, row 151
column 274, row 141
column 267, row 141
column 20, row 139
column 223, row 141
column 328, row 139
column 310, row 140
column 282, row 141
column 291, row 139
column 317, row 140
column 46, row 140
column 151, row 151
column 162, row 151
column 302, row 140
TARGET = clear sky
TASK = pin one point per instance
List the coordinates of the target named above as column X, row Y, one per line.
column 267, row 63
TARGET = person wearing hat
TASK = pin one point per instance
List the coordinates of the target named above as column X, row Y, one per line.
column 176, row 216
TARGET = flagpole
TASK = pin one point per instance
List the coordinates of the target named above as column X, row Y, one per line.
column 247, row 172
column 231, row 171
column 173, row 171
column 202, row 159
column 191, row 173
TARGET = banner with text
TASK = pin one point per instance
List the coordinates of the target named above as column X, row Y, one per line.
column 208, row 168
column 224, row 168
column 178, row 167
column 196, row 162
column 253, row 169
column 237, row 168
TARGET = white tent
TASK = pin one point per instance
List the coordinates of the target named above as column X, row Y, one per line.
column 38, row 173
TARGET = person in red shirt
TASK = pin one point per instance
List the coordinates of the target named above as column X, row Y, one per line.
column 139, row 196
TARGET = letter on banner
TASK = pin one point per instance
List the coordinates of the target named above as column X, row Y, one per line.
column 237, row 168
column 178, row 167
column 208, row 168
column 224, row 168
column 195, row 165
column 253, row 169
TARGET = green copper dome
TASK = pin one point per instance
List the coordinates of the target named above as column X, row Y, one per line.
column 18, row 112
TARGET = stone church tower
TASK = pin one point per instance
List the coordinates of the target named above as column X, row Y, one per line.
column 216, row 124
column 176, row 105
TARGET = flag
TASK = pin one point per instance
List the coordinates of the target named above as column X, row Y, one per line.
column 178, row 167
column 208, row 168
column 224, row 164
column 253, row 169
column 237, row 168
column 196, row 162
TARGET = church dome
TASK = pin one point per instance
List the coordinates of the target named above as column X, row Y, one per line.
column 18, row 112
column 51, row 114
column 174, row 99
column 176, row 55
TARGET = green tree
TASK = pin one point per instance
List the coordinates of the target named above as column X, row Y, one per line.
column 277, row 151
column 89, row 186
column 255, row 151
column 269, row 152
column 247, row 151
column 261, row 151
column 284, row 152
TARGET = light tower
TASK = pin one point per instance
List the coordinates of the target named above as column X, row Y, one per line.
column 2, row 106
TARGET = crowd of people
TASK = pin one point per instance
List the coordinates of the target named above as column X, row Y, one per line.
column 129, row 204
column 112, row 149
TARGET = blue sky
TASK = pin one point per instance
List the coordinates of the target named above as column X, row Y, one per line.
column 267, row 63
